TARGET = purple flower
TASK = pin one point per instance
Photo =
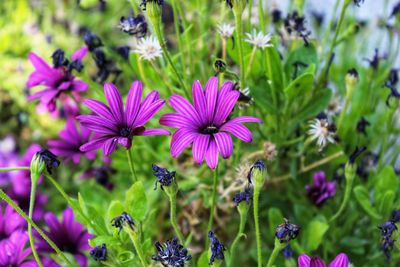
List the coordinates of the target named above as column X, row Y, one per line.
column 10, row 222
column 56, row 81
column 206, row 123
column 68, row 235
column 321, row 189
column 72, row 137
column 13, row 252
column 341, row 260
column 114, row 125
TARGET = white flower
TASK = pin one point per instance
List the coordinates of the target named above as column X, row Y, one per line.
column 148, row 48
column 259, row 39
column 321, row 130
column 334, row 107
column 226, row 30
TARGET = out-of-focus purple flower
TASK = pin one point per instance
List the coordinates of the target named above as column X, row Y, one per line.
column 13, row 252
column 206, row 123
column 72, row 137
column 10, row 221
column 304, row 260
column 8, row 157
column 55, row 80
column 114, row 125
column 321, row 189
column 68, row 235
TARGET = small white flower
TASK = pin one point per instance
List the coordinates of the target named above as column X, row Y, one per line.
column 148, row 48
column 259, row 39
column 322, row 131
column 334, row 107
column 226, row 30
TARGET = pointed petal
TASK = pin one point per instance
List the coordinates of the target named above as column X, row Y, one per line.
column 183, row 107
column 115, row 101
column 211, row 92
column 212, row 154
column 238, row 130
column 79, row 86
column 94, row 144
column 98, row 107
column 98, row 124
column 224, row 143
column 180, row 140
column 199, row 100
column 35, row 78
column 148, row 100
column 245, row 119
column 225, row 106
column 156, row 131
column 317, row 262
column 341, row 260
column 110, row 145
column 303, row 261
column 175, row 120
column 39, row 64
column 145, row 115
column 133, row 102
column 80, row 53
column 200, row 146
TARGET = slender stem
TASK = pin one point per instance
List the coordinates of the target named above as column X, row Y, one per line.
column 249, row 13
column 131, row 165
column 178, row 33
column 261, row 15
column 213, row 200
column 243, row 219
column 172, row 199
column 31, row 207
column 256, row 224
column 277, row 248
column 252, row 56
column 136, row 243
column 14, row 205
column 8, row 169
column 347, row 193
column 238, row 21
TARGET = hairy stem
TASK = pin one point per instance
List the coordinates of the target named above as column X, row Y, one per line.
column 213, row 200
column 8, row 169
column 131, row 165
column 172, row 200
column 239, row 33
column 256, row 224
column 243, row 219
column 136, row 243
column 275, row 252
column 31, row 207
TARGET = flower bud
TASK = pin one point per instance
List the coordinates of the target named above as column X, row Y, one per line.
column 351, row 78
column 153, row 9
column 256, row 174
column 219, row 66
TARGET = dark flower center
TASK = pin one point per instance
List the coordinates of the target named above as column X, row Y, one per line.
column 125, row 132
column 209, row 130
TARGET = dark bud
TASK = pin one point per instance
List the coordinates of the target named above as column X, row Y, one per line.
column 134, row 25
column 395, row 216
column 122, row 220
column 99, row 253
column 217, row 248
column 49, row 159
column 362, row 125
column 76, row 64
column 296, row 24
column 219, row 66
column 287, row 252
column 318, row 18
column 356, row 153
column 123, row 51
column 145, row 2
column 368, row 162
column 353, row 72
column 396, row 10
column 59, row 59
column 243, row 196
column 164, row 176
column 258, row 165
column 387, row 228
column 322, row 116
column 171, row 253
column 387, row 244
column 276, row 16
column 92, row 40
column 358, row 2
column 374, row 62
column 229, row 3
column 100, row 58
column 393, row 78
column 286, row 231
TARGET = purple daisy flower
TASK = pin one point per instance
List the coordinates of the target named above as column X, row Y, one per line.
column 114, row 125
column 68, row 235
column 206, row 123
column 13, row 252
column 71, row 139
column 10, row 222
column 56, row 81
column 321, row 189
column 341, row 260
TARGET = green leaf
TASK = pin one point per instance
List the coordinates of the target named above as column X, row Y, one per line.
column 386, row 203
column 306, row 55
column 115, row 209
column 315, row 232
column 275, row 218
column 317, row 103
column 136, row 201
column 274, row 68
column 302, row 86
column 361, row 194
column 203, row 260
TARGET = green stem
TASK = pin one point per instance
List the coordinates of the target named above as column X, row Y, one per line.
column 347, row 193
column 277, row 248
column 249, row 15
column 213, row 200
column 252, row 56
column 31, row 207
column 261, row 15
column 239, row 33
column 10, row 202
column 136, row 243
column 344, row 111
column 178, row 33
column 8, row 169
column 243, row 219
column 172, row 200
column 257, row 226
column 131, row 165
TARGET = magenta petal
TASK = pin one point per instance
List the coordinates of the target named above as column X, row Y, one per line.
column 41, row 93
column 199, row 99
column 225, row 144
column 238, row 130
column 341, row 260
column 125, row 142
column 182, row 106
column 211, row 92
column 39, row 63
column 81, row 259
column 225, row 107
column 115, row 101
column 34, row 79
column 79, row 86
column 212, row 154
column 180, row 140
column 148, row 100
column 93, row 145
column 246, row 119
column 200, row 146
column 133, row 102
column 97, row 124
column 80, row 53
column 98, row 107
column 110, row 145
column 146, row 115
column 156, row 131
column 175, row 120
column 317, row 262
column 303, row 260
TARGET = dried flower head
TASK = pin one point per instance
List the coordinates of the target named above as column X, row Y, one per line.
column 246, row 195
column 99, row 253
column 132, row 25
column 122, row 220
column 217, row 248
column 270, row 151
column 286, row 231
column 164, row 176
column 171, row 253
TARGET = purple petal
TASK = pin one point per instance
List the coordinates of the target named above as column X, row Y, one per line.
column 133, row 102
column 81, row 259
column 157, row 131
column 341, row 260
column 94, row 144
column 245, row 119
column 175, row 120
column 200, row 146
column 110, row 145
column 115, row 101
column 39, row 64
column 79, row 86
column 52, row 222
column 80, row 53
column 30, row 263
column 145, row 115
column 182, row 106
column 303, row 260
column 148, row 100
column 98, row 107
column 225, row 107
column 97, row 124
column 225, row 144
column 211, row 92
column 212, row 154
column 317, row 262
column 35, row 78
column 238, row 130
column 199, row 100
column 319, row 178
column 68, row 218
column 180, row 140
